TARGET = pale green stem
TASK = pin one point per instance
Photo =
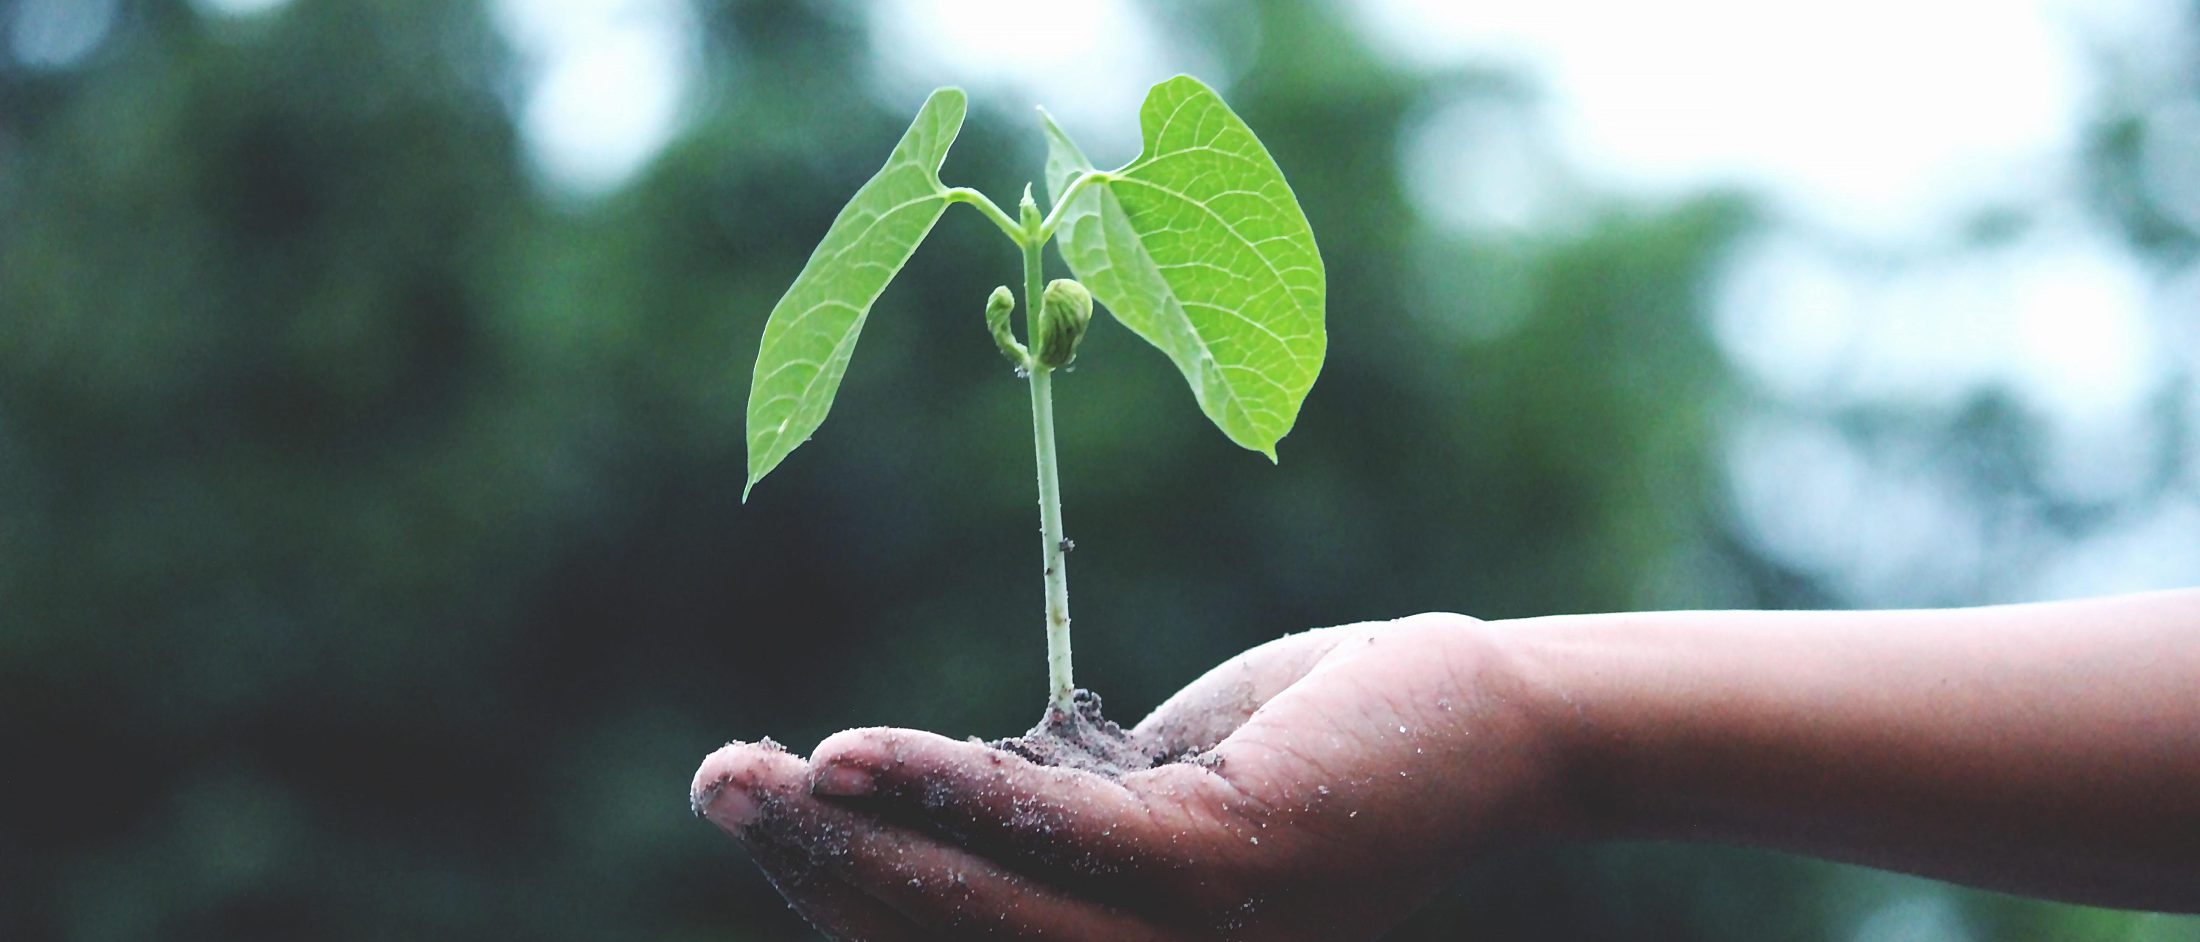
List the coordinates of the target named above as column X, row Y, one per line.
column 986, row 207
column 1054, row 216
column 1050, row 491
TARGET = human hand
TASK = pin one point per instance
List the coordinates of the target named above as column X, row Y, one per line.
column 1341, row 776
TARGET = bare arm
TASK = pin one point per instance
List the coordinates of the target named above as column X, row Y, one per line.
column 2051, row 750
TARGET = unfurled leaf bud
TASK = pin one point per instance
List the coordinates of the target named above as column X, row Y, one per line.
column 1027, row 210
column 997, row 309
column 1064, row 313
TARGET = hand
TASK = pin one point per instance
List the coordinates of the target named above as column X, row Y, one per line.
column 1341, row 777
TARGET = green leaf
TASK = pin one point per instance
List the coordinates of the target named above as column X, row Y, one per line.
column 1199, row 247
column 812, row 330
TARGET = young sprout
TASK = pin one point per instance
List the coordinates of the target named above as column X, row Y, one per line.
column 1198, row 246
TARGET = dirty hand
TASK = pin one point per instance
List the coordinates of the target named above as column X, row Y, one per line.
column 1336, row 780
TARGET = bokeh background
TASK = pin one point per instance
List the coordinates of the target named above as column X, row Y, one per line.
column 372, row 563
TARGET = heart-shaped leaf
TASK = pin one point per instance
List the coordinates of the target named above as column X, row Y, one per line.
column 1200, row 247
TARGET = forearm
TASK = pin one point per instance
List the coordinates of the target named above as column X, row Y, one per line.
column 2051, row 750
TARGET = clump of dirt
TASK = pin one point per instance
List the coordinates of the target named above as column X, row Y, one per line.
column 1081, row 738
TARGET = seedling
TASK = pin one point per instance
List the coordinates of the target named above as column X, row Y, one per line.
column 1198, row 246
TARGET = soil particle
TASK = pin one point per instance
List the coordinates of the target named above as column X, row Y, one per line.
column 1083, row 739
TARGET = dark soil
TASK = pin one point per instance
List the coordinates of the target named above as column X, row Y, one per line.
column 1083, row 739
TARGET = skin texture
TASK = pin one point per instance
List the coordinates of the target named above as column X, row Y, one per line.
column 2047, row 750
column 1348, row 773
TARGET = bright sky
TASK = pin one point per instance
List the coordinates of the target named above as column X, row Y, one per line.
column 1089, row 63
column 1878, row 116
column 606, row 83
column 240, row 7
column 1845, row 117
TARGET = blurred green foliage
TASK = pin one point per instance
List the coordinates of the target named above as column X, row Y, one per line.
column 371, row 560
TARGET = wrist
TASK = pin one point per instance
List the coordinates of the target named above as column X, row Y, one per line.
column 1564, row 682
column 1518, row 758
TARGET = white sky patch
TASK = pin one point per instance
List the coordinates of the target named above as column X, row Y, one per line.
column 2178, row 298
column 606, row 82
column 1892, row 529
column 55, row 34
column 1485, row 164
column 238, row 7
column 1875, row 129
column 2105, row 462
column 2156, row 549
column 1877, row 117
column 2169, row 161
column 1881, row 528
column 2064, row 320
column 1921, row 918
column 1088, row 62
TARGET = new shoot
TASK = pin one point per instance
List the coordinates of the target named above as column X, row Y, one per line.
column 1198, row 246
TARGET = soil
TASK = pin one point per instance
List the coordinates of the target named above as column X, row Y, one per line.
column 1083, row 739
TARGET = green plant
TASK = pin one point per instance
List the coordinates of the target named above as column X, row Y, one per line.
column 1198, row 246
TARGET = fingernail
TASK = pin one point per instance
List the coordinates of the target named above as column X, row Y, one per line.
column 727, row 805
column 844, row 781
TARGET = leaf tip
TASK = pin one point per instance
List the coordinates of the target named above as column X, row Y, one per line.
column 950, row 98
column 1181, row 78
column 761, row 463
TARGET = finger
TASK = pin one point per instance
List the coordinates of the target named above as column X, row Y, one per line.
column 940, row 887
column 834, row 906
column 931, row 886
column 1061, row 822
column 1209, row 709
column 728, row 789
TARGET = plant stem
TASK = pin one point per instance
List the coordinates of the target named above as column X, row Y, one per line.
column 1050, row 490
column 987, row 208
column 1054, row 216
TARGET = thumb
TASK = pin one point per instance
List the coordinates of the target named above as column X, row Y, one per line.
column 1211, row 708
